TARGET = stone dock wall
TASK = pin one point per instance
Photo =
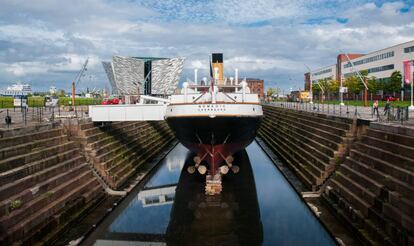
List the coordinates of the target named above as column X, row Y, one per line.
column 364, row 171
column 52, row 173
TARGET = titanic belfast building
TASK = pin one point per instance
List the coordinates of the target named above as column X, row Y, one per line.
column 143, row 75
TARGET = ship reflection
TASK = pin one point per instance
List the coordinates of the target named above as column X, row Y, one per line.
column 231, row 218
column 172, row 209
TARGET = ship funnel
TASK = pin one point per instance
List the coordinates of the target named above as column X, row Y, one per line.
column 195, row 76
column 217, row 65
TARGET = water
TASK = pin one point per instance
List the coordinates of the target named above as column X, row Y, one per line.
column 257, row 207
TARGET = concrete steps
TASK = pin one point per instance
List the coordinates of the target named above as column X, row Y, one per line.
column 316, row 135
column 336, row 125
column 27, row 138
column 33, row 167
column 17, row 161
column 25, row 148
column 118, row 150
column 317, row 159
column 312, row 146
column 378, row 179
column 41, row 181
column 291, row 156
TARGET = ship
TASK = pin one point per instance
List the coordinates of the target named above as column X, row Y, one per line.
column 214, row 119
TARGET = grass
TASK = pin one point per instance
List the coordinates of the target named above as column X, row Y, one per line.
column 37, row 101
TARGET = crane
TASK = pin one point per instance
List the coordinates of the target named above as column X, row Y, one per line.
column 78, row 78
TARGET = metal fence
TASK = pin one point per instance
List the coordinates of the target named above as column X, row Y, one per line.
column 396, row 114
column 17, row 117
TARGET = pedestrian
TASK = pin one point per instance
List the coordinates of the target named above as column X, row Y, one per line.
column 375, row 107
column 387, row 107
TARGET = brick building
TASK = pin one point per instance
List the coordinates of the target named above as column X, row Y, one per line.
column 256, row 86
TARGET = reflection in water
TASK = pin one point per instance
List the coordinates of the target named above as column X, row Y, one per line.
column 172, row 208
column 231, row 218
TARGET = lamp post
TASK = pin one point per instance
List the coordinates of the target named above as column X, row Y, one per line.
column 341, row 92
column 310, row 84
column 412, row 82
column 364, row 82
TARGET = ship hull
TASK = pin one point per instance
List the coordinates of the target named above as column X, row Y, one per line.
column 214, row 139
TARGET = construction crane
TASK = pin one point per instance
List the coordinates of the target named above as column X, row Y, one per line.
column 78, row 78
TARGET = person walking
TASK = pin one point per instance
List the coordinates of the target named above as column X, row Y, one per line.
column 375, row 108
column 387, row 107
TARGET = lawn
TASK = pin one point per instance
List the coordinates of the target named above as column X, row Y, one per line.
column 35, row 101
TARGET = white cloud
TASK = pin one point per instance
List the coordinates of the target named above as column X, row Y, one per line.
column 50, row 40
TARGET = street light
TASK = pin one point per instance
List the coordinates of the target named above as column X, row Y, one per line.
column 360, row 77
column 310, row 84
column 412, row 82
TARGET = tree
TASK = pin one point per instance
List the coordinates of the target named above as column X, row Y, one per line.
column 316, row 90
column 372, row 85
column 354, row 85
column 332, row 87
column 61, row 93
column 394, row 84
column 271, row 92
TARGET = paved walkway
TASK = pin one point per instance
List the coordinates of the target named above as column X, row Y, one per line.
column 38, row 115
column 395, row 116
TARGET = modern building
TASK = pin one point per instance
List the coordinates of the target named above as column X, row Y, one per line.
column 381, row 64
column 143, row 75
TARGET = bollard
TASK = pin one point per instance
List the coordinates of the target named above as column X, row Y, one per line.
column 347, row 110
column 8, row 119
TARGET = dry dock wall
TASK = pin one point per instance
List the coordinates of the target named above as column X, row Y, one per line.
column 374, row 187
column 364, row 171
column 117, row 150
column 311, row 144
column 51, row 174
column 43, row 182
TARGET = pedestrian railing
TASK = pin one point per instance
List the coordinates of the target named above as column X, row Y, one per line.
column 23, row 116
column 398, row 113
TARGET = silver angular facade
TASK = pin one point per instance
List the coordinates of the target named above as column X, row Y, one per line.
column 109, row 72
column 165, row 75
column 133, row 75
column 129, row 75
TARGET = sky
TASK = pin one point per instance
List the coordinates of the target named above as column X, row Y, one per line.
column 45, row 42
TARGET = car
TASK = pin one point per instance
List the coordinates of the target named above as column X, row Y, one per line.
column 391, row 98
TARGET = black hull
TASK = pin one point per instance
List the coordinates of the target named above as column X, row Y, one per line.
column 214, row 139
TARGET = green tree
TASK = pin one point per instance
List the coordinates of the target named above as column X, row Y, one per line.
column 372, row 86
column 394, row 84
column 332, row 88
column 354, row 85
column 270, row 92
column 61, row 93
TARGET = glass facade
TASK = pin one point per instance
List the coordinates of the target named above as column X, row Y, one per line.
column 409, row 49
column 371, row 59
column 373, row 70
column 323, row 71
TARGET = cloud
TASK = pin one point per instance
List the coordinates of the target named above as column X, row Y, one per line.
column 47, row 42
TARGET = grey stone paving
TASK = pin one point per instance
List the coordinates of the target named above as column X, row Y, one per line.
column 349, row 111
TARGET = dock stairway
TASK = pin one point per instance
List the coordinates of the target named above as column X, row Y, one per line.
column 44, row 181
